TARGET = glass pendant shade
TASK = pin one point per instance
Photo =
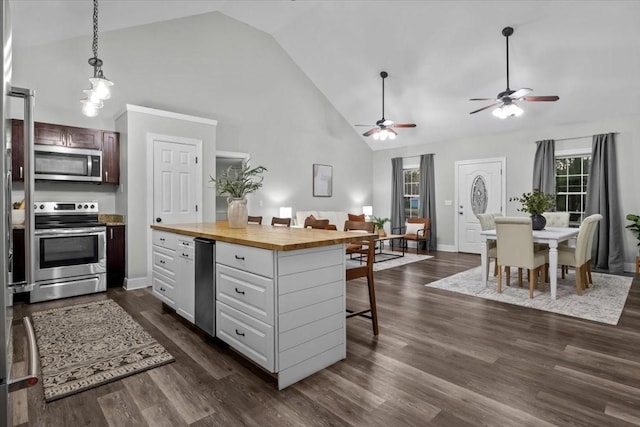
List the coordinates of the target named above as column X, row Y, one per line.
column 92, row 96
column 101, row 86
column 90, row 109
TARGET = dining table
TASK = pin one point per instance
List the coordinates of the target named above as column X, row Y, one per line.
column 551, row 236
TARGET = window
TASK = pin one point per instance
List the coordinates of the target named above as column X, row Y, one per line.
column 572, row 174
column 411, row 192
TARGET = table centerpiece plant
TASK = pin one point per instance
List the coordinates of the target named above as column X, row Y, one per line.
column 634, row 227
column 380, row 225
column 237, row 182
column 535, row 203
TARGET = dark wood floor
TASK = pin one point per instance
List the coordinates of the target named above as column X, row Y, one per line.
column 441, row 359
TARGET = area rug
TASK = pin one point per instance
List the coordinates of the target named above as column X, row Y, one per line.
column 383, row 263
column 602, row 302
column 86, row 345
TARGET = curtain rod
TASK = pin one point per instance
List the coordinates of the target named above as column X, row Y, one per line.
column 580, row 137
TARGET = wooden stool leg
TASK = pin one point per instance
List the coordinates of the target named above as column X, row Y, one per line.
column 372, row 302
column 499, row 278
column 520, row 277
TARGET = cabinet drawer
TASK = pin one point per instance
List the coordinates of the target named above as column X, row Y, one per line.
column 164, row 261
column 185, row 249
column 164, row 289
column 164, row 239
column 246, row 258
column 247, row 335
column 247, row 292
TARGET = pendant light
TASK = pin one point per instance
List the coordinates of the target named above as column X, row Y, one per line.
column 100, row 85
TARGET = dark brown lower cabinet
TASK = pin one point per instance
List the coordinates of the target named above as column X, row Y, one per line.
column 115, row 255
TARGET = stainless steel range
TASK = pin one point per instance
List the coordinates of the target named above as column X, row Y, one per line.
column 69, row 250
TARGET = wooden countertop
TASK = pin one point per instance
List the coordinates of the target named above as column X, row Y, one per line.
column 265, row 236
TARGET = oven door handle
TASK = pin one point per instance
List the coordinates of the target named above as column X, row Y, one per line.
column 70, row 231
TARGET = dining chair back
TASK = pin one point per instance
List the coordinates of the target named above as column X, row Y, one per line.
column 556, row 219
column 316, row 223
column 365, row 270
column 254, row 219
column 580, row 256
column 488, row 222
column 515, row 248
column 281, row 222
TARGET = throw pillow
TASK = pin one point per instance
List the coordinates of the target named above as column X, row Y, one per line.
column 359, row 218
column 412, row 228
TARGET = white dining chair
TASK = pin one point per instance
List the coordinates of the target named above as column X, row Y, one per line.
column 580, row 256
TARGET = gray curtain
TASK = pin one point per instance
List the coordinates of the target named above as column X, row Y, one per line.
column 397, row 193
column 428, row 195
column 603, row 198
column 544, row 167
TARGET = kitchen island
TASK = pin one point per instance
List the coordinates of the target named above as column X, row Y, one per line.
column 279, row 291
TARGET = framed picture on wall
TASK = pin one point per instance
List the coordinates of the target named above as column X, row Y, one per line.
column 322, row 180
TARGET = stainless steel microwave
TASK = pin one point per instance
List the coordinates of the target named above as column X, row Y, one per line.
column 57, row 163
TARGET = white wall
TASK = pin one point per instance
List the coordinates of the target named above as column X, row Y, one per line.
column 215, row 67
column 519, row 149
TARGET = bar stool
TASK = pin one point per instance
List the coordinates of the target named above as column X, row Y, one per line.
column 366, row 270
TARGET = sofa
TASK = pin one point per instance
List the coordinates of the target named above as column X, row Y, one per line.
column 336, row 218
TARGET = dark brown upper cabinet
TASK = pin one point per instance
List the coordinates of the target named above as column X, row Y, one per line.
column 110, row 157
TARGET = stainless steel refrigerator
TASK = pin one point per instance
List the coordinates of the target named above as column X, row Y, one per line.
column 7, row 384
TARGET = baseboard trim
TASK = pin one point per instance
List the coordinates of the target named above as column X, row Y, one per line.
column 137, row 283
column 447, row 248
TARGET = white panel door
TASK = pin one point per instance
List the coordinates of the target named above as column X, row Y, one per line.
column 480, row 190
column 175, row 189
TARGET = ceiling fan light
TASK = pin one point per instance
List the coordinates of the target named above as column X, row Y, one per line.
column 507, row 110
column 392, row 135
column 376, row 136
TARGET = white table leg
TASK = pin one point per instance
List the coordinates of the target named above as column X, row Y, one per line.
column 484, row 262
column 553, row 267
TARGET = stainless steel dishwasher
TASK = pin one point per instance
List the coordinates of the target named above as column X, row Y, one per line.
column 205, row 310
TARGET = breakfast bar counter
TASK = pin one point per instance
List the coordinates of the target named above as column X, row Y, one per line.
column 279, row 291
column 270, row 237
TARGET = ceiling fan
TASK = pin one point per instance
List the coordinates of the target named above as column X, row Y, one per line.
column 505, row 101
column 385, row 128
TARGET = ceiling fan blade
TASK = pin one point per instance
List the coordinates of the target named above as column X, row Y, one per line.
column 371, row 132
column 481, row 99
column 520, row 93
column 404, row 125
column 541, row 98
column 366, row 125
column 487, row 107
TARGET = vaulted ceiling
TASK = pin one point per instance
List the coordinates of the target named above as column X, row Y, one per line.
column 438, row 54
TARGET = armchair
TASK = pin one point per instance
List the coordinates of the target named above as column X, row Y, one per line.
column 415, row 229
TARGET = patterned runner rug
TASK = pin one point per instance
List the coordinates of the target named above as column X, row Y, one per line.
column 602, row 302
column 83, row 346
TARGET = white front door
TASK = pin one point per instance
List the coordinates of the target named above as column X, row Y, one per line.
column 177, row 182
column 480, row 189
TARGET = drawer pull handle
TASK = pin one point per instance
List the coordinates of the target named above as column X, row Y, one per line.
column 241, row 258
column 239, row 291
column 183, row 254
column 239, row 333
column 162, row 289
column 162, row 239
column 161, row 261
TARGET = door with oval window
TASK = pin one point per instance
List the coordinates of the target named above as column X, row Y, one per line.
column 480, row 189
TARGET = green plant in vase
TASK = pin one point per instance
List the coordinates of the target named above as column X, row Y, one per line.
column 237, row 182
column 535, row 203
column 634, row 227
column 380, row 224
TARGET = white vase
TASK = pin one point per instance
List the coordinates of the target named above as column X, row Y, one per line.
column 237, row 212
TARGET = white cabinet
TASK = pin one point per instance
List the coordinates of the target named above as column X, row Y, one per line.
column 173, row 271
column 284, row 310
column 185, row 278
